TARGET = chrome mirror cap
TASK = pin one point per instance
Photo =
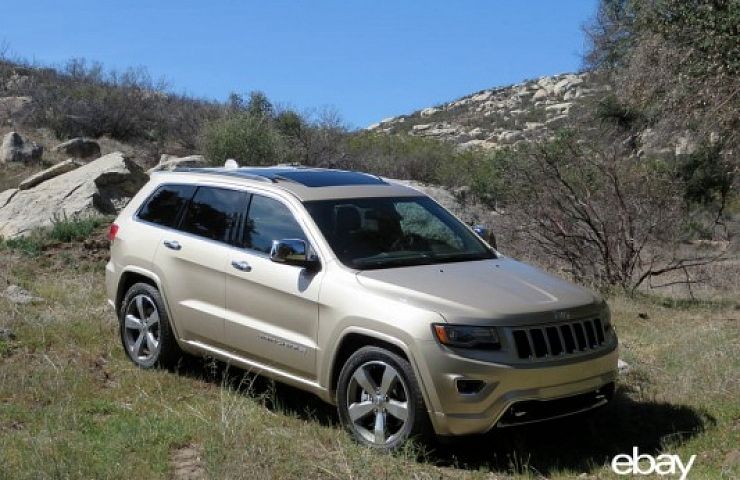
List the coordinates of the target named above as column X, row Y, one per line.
column 292, row 251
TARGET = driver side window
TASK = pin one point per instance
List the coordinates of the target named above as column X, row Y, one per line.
column 268, row 220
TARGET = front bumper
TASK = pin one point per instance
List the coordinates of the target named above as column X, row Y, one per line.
column 510, row 394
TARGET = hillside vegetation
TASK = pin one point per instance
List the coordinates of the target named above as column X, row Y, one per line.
column 614, row 176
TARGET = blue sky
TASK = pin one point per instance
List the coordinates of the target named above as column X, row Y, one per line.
column 367, row 59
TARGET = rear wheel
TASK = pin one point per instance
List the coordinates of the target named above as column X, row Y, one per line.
column 146, row 334
column 379, row 400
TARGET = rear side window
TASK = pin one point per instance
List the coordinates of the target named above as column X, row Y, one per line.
column 269, row 220
column 164, row 206
column 214, row 213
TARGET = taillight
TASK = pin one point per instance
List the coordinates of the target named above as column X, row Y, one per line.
column 112, row 232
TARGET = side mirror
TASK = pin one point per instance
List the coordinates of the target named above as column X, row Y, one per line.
column 293, row 251
column 484, row 233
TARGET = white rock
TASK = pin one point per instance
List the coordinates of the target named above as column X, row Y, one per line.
column 79, row 147
column 685, row 145
column 481, row 97
column 476, row 132
column 11, row 106
column 475, row 143
column 559, row 108
column 102, row 186
column 511, row 136
column 623, row 367
column 17, row 149
column 540, row 94
column 428, row 112
column 16, row 294
column 422, row 127
column 44, row 175
column 565, row 84
column 171, row 162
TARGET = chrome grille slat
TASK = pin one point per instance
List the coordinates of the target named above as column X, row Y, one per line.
column 575, row 337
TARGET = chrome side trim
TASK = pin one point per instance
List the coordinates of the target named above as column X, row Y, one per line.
column 255, row 367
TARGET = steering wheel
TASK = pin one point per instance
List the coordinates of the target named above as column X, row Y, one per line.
column 411, row 241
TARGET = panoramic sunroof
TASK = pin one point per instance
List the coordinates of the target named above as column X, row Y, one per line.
column 317, row 177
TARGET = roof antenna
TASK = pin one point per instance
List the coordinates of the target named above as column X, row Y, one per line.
column 231, row 164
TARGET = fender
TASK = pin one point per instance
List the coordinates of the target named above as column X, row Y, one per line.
column 328, row 373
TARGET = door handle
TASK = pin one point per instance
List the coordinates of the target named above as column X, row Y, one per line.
column 241, row 265
column 172, row 244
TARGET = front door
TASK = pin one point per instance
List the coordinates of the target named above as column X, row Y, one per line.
column 272, row 309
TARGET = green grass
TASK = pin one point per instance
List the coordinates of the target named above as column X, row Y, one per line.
column 72, row 405
column 63, row 230
column 68, row 230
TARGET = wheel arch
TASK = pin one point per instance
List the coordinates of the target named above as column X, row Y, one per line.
column 130, row 277
column 354, row 339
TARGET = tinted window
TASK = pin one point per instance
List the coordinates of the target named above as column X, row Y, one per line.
column 214, row 213
column 269, row 220
column 165, row 204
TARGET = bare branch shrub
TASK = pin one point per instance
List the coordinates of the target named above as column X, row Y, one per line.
column 613, row 219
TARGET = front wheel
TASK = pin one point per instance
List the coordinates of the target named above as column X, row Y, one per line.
column 379, row 400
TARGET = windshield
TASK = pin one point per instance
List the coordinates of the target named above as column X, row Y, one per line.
column 383, row 232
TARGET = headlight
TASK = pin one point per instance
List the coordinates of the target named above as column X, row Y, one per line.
column 464, row 336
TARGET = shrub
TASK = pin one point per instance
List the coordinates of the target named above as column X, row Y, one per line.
column 248, row 138
column 63, row 230
column 31, row 245
column 67, row 230
column 397, row 156
column 612, row 218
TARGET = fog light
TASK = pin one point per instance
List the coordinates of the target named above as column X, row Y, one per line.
column 469, row 387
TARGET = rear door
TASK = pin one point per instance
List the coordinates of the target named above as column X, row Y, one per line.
column 192, row 258
column 272, row 308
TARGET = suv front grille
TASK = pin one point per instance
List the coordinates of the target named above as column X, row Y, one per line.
column 561, row 339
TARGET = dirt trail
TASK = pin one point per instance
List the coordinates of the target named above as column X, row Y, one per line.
column 186, row 463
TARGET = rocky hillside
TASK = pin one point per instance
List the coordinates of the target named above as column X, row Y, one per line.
column 502, row 116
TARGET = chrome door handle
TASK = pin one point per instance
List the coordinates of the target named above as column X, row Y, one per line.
column 172, row 244
column 243, row 266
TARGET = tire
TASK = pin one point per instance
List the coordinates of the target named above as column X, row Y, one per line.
column 149, row 342
column 376, row 391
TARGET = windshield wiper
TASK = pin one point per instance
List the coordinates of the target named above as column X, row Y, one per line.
column 392, row 262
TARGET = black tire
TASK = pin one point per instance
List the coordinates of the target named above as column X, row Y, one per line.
column 167, row 352
column 350, row 395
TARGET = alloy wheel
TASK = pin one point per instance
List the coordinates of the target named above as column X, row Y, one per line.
column 377, row 402
column 141, row 329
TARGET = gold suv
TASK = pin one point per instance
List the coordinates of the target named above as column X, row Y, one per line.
column 363, row 291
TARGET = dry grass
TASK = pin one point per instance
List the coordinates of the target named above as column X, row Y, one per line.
column 72, row 405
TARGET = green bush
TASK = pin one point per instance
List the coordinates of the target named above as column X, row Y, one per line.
column 249, row 139
column 63, row 230
column 31, row 245
column 67, row 230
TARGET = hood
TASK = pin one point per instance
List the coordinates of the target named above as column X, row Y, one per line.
column 497, row 291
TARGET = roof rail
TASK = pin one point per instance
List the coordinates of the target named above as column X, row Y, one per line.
column 227, row 173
